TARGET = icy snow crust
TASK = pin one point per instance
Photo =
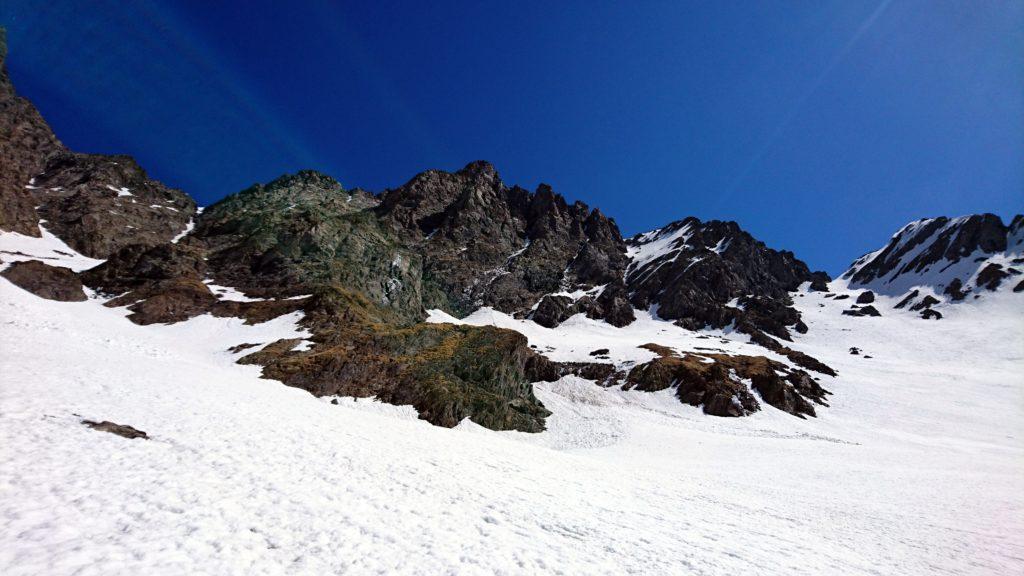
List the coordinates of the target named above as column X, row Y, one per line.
column 916, row 468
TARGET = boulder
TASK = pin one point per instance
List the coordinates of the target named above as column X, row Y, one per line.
column 122, row 430
column 45, row 281
column 862, row 311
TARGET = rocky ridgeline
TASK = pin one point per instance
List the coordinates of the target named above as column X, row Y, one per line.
column 936, row 260
column 484, row 243
column 363, row 268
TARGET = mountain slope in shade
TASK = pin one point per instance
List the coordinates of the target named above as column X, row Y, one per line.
column 945, row 259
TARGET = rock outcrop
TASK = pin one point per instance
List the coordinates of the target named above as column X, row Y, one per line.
column 714, row 274
column 715, row 382
column 100, row 204
column 448, row 373
column 484, row 243
column 45, row 281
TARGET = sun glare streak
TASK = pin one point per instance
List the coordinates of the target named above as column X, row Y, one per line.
column 798, row 105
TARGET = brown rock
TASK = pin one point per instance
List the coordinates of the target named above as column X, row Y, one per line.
column 45, row 281
column 119, row 429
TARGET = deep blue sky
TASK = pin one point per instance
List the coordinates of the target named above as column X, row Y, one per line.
column 820, row 126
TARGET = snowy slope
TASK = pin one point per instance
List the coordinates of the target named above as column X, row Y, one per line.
column 916, row 468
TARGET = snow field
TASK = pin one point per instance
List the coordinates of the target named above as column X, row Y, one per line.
column 916, row 468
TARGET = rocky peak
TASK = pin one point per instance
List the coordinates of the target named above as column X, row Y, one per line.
column 480, row 169
column 305, row 179
column 713, row 274
column 420, row 205
column 944, row 255
column 305, row 191
column 488, row 244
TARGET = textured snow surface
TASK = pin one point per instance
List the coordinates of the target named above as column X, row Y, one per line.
column 916, row 468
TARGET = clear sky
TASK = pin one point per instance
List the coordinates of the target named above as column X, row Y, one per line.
column 821, row 126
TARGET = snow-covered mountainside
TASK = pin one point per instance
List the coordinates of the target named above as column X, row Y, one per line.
column 915, row 468
column 462, row 376
column 945, row 258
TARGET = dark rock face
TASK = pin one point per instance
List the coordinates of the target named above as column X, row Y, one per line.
column 122, row 430
column 910, row 297
column 866, row 297
column 925, row 303
column 819, row 282
column 45, row 281
column 929, row 314
column 940, row 238
column 553, row 310
column 955, row 290
column 992, row 275
column 611, row 305
column 26, row 142
column 158, row 283
column 100, row 204
column 691, row 270
column 487, row 244
column 164, row 283
column 139, row 265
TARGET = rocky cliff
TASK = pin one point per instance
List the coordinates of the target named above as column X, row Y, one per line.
column 363, row 269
